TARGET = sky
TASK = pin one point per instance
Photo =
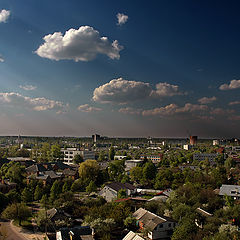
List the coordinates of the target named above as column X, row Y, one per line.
column 120, row 68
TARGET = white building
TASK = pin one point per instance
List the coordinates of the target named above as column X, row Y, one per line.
column 118, row 157
column 129, row 164
column 70, row 153
column 215, row 142
column 187, row 147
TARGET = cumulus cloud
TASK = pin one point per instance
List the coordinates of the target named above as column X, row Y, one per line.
column 82, row 44
column 130, row 110
column 87, row 108
column 4, row 15
column 206, row 100
column 37, row 104
column 172, row 109
column 28, row 87
column 121, row 91
column 234, row 84
column 221, row 111
column 1, row 59
column 122, row 18
column 166, row 90
column 167, row 110
column 234, row 103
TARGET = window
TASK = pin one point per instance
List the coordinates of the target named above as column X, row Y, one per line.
column 160, row 225
column 169, row 225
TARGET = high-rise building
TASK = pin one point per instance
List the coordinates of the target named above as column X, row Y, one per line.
column 193, row 140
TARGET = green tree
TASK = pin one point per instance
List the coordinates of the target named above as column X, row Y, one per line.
column 88, row 171
column 13, row 196
column 56, row 189
column 38, row 193
column 78, row 159
column 17, row 211
column 91, row 187
column 26, row 195
column 116, row 170
column 149, row 171
column 121, row 193
column 111, row 153
column 4, row 201
column 56, row 153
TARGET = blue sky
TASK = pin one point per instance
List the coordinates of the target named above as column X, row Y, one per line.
column 161, row 68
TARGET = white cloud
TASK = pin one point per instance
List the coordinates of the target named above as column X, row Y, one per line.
column 221, row 111
column 121, row 91
column 234, row 84
column 4, row 15
column 167, row 110
column 130, row 110
column 234, row 103
column 1, row 59
column 87, row 108
column 81, row 44
column 37, row 104
column 122, row 18
column 172, row 109
column 206, row 100
column 28, row 87
column 166, row 90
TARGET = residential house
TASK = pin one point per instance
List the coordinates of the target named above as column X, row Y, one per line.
column 129, row 164
column 159, row 227
column 70, row 173
column 202, row 215
column 230, row 190
column 76, row 233
column 110, row 191
column 132, row 236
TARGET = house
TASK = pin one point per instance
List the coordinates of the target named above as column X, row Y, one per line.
column 76, row 233
column 154, row 158
column 70, row 173
column 129, row 164
column 110, row 191
column 230, row 190
column 202, row 216
column 132, row 236
column 35, row 168
column 45, row 177
column 159, row 227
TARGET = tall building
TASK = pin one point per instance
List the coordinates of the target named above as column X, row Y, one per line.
column 193, row 140
column 96, row 137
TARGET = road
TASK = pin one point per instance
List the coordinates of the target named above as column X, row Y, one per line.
column 11, row 232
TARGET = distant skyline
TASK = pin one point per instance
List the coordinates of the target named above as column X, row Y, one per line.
column 126, row 68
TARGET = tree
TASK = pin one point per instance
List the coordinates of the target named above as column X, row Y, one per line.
column 121, row 193
column 26, row 195
column 56, row 189
column 101, row 156
column 136, row 174
column 38, row 193
column 13, row 196
column 149, row 171
column 111, row 153
column 88, row 171
column 17, row 211
column 56, row 153
column 91, row 187
column 130, row 223
column 116, row 170
column 3, row 201
column 77, row 159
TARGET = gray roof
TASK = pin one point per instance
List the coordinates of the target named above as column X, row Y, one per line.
column 132, row 236
column 149, row 219
column 230, row 190
column 36, row 168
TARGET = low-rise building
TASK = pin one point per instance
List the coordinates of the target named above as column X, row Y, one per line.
column 159, row 227
column 110, row 191
column 230, row 190
column 129, row 164
column 154, row 158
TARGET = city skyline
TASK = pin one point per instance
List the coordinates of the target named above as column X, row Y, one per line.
column 130, row 69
